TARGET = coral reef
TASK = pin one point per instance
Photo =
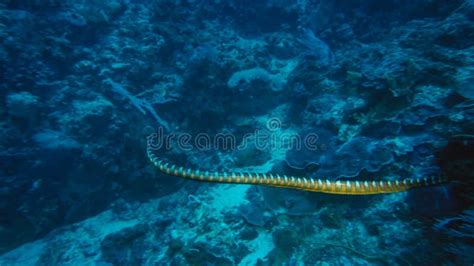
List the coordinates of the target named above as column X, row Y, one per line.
column 385, row 85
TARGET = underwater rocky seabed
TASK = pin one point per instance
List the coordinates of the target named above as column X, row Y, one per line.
column 387, row 85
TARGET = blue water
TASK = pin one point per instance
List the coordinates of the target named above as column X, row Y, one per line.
column 332, row 90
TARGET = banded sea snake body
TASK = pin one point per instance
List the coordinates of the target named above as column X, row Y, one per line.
column 349, row 187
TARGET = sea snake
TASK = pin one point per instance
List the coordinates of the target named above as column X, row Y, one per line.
column 348, row 187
